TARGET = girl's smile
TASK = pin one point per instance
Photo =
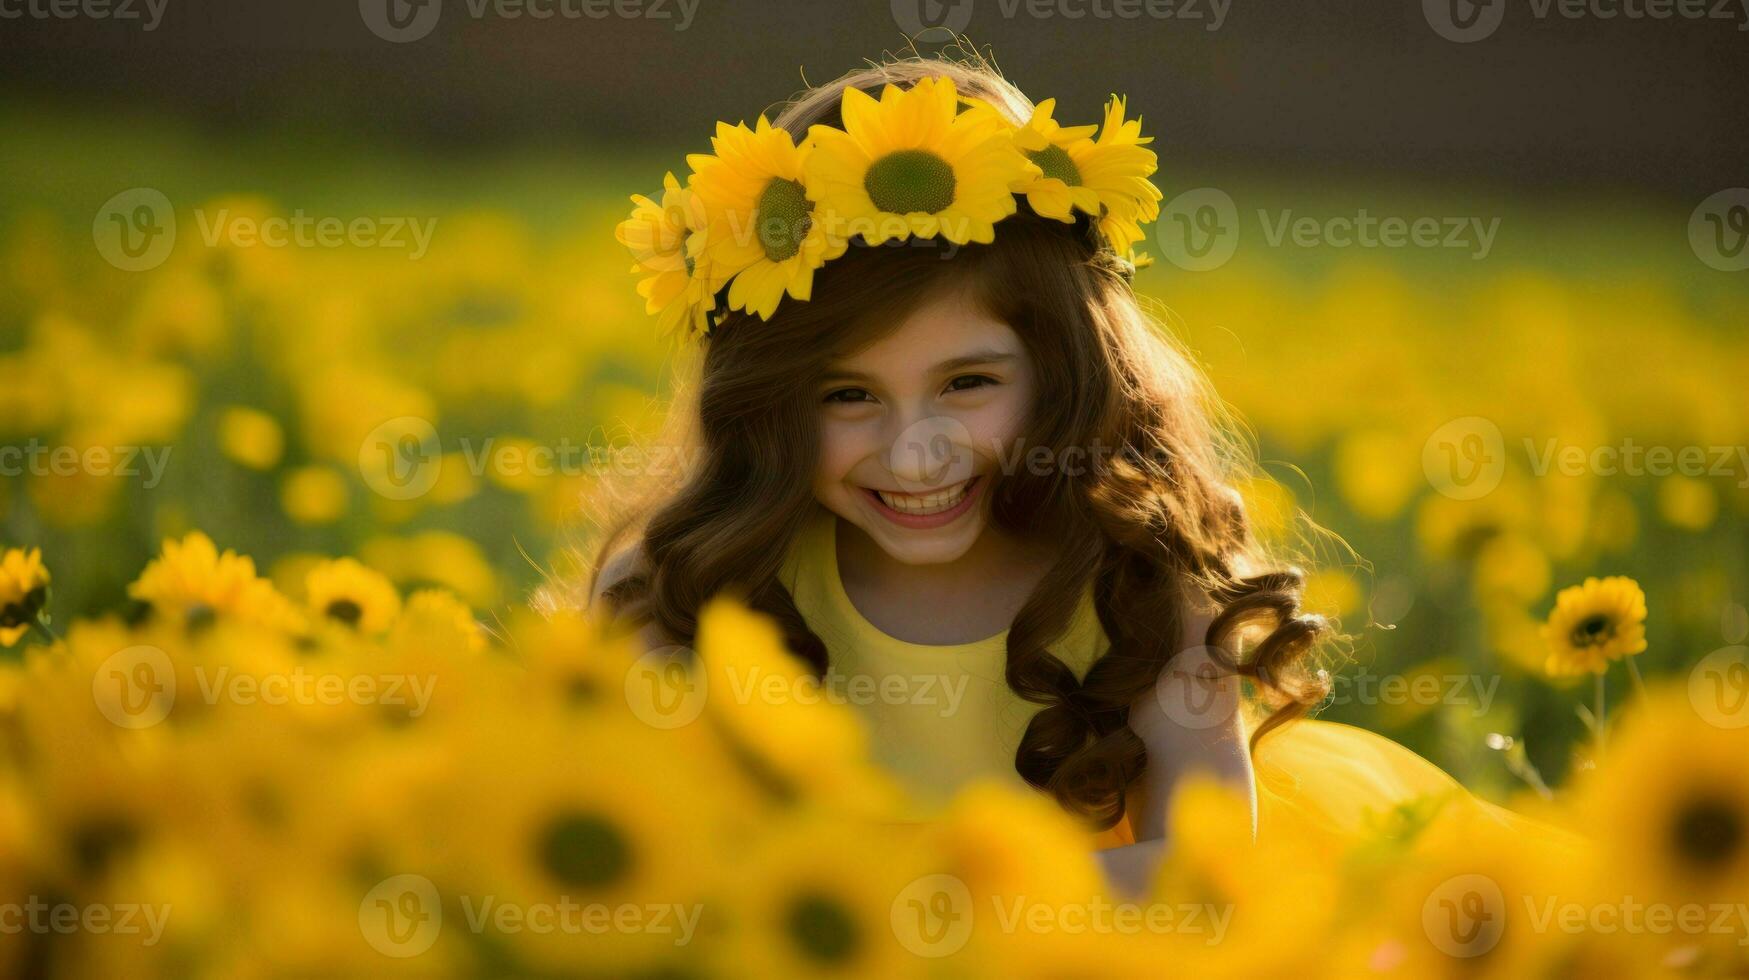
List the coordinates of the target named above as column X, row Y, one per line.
column 923, row 511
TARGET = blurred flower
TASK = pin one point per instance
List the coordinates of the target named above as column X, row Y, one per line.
column 432, row 616
column 1687, row 502
column 313, row 495
column 1377, row 472
column 441, row 558
column 250, row 437
column 1670, row 804
column 24, row 590
column 349, row 593
column 193, row 582
column 1594, row 623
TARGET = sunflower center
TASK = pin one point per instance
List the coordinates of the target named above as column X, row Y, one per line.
column 585, row 850
column 1593, row 630
column 344, row 610
column 822, row 928
column 783, row 219
column 910, row 180
column 1707, row 833
column 1056, row 162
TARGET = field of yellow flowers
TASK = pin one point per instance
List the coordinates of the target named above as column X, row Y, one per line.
column 323, row 764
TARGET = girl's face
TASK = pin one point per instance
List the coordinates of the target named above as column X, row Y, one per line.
column 914, row 427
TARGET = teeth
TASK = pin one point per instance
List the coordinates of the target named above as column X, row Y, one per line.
column 925, row 504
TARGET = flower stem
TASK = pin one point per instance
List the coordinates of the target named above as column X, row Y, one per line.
column 1639, row 682
column 1597, row 713
column 47, row 632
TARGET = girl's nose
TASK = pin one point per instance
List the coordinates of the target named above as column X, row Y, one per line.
column 930, row 452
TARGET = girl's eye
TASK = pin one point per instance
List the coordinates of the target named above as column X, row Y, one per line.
column 966, row 382
column 848, row 395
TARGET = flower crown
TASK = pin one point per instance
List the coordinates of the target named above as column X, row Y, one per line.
column 762, row 212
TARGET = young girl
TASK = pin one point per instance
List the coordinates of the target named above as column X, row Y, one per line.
column 940, row 442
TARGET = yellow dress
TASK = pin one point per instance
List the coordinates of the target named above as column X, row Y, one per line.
column 941, row 715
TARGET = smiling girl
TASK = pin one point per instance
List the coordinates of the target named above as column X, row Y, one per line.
column 941, row 443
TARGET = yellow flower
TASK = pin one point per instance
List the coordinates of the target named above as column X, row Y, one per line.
column 1594, row 623
column 568, row 813
column 313, row 495
column 1669, row 803
column 760, row 227
column 678, row 287
column 24, row 588
column 435, row 618
column 913, row 164
column 1117, row 167
column 822, row 897
column 797, row 735
column 1057, row 151
column 193, row 581
column 347, row 592
column 250, row 437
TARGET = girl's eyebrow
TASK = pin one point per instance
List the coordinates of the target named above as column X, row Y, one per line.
column 989, row 356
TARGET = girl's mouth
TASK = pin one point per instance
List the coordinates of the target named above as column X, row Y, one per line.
column 926, row 510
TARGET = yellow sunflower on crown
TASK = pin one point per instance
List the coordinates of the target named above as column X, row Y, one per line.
column 1106, row 178
column 914, row 164
column 763, row 211
column 663, row 237
column 759, row 223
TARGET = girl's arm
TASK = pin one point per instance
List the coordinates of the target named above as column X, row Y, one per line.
column 1190, row 723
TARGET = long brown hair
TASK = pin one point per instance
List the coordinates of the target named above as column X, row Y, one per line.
column 1155, row 527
